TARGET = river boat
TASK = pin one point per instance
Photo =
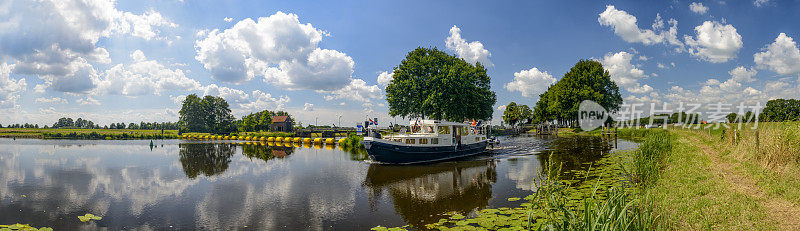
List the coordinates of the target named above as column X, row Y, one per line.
column 428, row 141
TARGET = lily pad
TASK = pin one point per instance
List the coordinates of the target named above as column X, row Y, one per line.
column 513, row 199
column 89, row 217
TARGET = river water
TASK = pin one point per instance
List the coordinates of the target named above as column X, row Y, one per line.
column 194, row 185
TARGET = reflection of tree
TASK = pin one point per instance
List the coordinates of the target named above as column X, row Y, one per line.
column 356, row 153
column 576, row 152
column 208, row 158
column 421, row 194
column 266, row 153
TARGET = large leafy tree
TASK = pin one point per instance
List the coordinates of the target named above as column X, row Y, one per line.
column 778, row 110
column 587, row 80
column 515, row 114
column 430, row 83
column 210, row 114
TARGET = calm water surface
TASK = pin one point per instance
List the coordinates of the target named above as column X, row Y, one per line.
column 191, row 185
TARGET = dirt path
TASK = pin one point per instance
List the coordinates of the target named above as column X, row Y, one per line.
column 784, row 212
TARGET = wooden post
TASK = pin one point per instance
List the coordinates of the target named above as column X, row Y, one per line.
column 757, row 143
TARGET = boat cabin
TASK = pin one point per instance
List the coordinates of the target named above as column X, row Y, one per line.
column 438, row 133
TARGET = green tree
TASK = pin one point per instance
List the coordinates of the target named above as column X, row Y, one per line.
column 731, row 117
column 779, row 110
column 587, row 80
column 510, row 114
column 258, row 121
column 210, row 114
column 192, row 116
column 430, row 83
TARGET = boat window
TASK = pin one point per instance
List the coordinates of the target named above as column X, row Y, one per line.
column 428, row 129
column 477, row 139
column 444, row 130
column 423, row 141
column 435, row 141
column 410, row 141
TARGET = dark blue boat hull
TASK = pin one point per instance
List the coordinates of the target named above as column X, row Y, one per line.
column 396, row 154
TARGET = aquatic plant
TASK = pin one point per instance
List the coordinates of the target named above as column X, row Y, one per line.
column 23, row 227
column 88, row 217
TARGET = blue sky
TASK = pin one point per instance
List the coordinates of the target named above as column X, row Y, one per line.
column 134, row 60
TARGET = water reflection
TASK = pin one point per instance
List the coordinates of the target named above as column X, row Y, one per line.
column 267, row 152
column 422, row 194
column 206, row 158
column 576, row 152
column 191, row 185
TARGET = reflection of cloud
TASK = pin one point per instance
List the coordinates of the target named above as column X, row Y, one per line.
column 524, row 170
column 143, row 189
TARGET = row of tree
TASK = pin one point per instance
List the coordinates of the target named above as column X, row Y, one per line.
column 26, row 125
column 66, row 122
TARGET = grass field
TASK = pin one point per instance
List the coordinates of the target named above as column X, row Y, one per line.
column 58, row 133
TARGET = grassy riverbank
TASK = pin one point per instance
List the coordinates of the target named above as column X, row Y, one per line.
column 61, row 133
column 731, row 179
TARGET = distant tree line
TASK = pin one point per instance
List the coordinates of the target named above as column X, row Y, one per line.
column 66, row 122
column 26, row 125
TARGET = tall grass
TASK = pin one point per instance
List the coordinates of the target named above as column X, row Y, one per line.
column 620, row 210
column 770, row 154
column 649, row 158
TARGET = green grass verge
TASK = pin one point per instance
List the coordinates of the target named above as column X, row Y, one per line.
column 689, row 196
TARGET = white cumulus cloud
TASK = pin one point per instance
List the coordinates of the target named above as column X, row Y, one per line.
column 698, row 8
column 469, row 51
column 781, row 56
column 624, row 73
column 385, row 78
column 57, row 39
column 279, row 48
column 531, row 83
column 742, row 74
column 10, row 88
column 357, row 90
column 625, row 26
column 144, row 77
column 714, row 42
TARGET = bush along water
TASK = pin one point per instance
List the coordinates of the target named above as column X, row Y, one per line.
column 353, row 141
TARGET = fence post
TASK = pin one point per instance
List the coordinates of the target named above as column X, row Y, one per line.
column 757, row 143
